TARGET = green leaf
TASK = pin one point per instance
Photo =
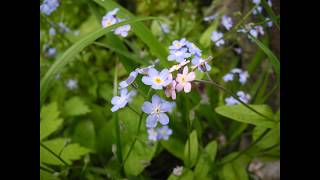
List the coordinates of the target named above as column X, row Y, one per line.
column 85, row 134
column 75, row 107
column 271, row 13
column 50, row 120
column 68, row 56
column 156, row 48
column 205, row 38
column 69, row 152
column 234, row 171
column 174, row 146
column 243, row 114
column 272, row 138
column 139, row 158
column 271, row 57
column 191, row 150
column 206, row 160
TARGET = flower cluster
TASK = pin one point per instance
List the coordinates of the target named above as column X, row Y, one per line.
column 243, row 75
column 177, row 78
column 48, row 6
column 111, row 18
column 259, row 7
column 242, row 96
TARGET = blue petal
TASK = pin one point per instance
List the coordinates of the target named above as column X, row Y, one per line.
column 146, row 80
column 152, row 72
column 156, row 100
column 147, row 107
column 163, row 118
column 155, row 86
column 151, row 121
column 115, row 99
column 166, row 106
column 164, row 74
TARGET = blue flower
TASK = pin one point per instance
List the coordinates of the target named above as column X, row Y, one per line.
column 123, row 30
column 48, row 6
column 63, row 27
column 165, row 28
column 72, row 84
column 164, row 133
column 243, row 76
column 156, row 110
column 255, row 31
column 270, row 3
column 129, row 80
column 193, row 49
column 257, row 10
column 157, row 80
column 178, row 44
column 242, row 96
column 121, row 101
column 210, row 18
column 179, row 55
column 227, row 22
column 108, row 21
column 228, row 77
column 202, row 65
column 113, row 12
column 52, row 52
column 256, row 1
column 152, row 134
column 52, row 31
column 269, row 22
column 216, row 37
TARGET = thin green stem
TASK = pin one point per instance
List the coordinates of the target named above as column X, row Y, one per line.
column 138, row 132
column 53, row 153
column 46, row 169
column 247, row 149
column 233, row 95
column 133, row 110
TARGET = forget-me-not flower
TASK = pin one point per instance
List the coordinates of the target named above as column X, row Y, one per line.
column 164, row 133
column 48, row 6
column 157, row 80
column 202, row 64
column 152, row 134
column 165, row 28
column 52, row 31
column 72, row 84
column 129, row 80
column 179, row 55
column 242, row 96
column 216, row 37
column 193, row 49
column 184, row 80
column 122, row 30
column 156, row 111
column 52, row 52
column 178, row 44
column 227, row 22
column 121, row 101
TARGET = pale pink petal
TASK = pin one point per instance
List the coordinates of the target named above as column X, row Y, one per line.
column 167, row 92
column 179, row 87
column 173, row 95
column 179, row 76
column 191, row 76
column 187, row 87
column 185, row 70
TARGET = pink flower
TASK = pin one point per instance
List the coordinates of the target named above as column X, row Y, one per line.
column 171, row 88
column 184, row 80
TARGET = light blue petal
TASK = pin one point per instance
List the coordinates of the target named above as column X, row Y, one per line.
column 115, row 99
column 114, row 108
column 166, row 107
column 157, row 87
column 152, row 72
column 164, row 119
column 147, row 107
column 164, row 74
column 171, row 57
column 123, row 92
column 156, row 100
column 146, row 80
column 151, row 121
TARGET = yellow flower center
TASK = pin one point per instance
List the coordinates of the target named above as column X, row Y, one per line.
column 158, row 80
column 183, row 79
column 178, row 44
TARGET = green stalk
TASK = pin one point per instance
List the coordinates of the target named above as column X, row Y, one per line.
column 53, row 153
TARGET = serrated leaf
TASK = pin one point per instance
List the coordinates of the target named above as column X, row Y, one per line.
column 243, row 114
column 69, row 152
column 75, row 106
column 50, row 120
column 191, row 152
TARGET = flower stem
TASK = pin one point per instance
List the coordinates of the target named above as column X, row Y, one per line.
column 233, row 95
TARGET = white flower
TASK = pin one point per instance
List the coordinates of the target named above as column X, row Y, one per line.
column 178, row 170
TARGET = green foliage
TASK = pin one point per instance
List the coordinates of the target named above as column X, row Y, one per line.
column 75, row 106
column 191, row 149
column 243, row 114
